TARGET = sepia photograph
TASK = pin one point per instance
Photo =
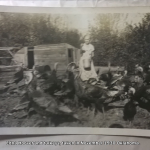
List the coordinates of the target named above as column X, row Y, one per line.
column 75, row 70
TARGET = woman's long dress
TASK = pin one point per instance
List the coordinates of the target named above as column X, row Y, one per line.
column 87, row 74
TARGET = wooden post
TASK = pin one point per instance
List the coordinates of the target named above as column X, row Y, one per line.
column 26, row 56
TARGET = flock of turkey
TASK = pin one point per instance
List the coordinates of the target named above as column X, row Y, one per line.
column 53, row 96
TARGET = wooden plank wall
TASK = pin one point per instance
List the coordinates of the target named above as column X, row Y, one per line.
column 6, row 73
column 49, row 55
column 19, row 58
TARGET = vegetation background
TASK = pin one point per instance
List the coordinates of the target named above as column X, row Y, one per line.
column 125, row 48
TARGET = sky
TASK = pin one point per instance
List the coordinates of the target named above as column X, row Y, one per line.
column 82, row 21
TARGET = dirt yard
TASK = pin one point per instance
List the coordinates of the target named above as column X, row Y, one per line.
column 115, row 115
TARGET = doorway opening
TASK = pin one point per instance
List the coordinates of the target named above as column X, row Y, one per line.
column 70, row 55
column 30, row 59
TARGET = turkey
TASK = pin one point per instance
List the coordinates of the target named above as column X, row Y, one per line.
column 47, row 78
column 87, row 93
column 138, row 69
column 106, row 77
column 130, row 107
column 45, row 104
column 142, row 93
column 115, row 80
column 147, row 67
column 16, row 83
column 130, row 111
column 121, row 84
column 18, row 76
column 147, row 73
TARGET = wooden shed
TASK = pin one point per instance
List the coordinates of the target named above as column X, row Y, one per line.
column 48, row 55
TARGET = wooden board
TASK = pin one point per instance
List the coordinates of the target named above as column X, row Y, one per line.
column 50, row 56
column 8, row 68
column 6, row 73
column 49, row 52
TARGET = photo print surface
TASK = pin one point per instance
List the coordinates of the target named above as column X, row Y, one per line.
column 75, row 70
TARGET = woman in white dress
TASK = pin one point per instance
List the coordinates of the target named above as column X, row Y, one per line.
column 87, row 51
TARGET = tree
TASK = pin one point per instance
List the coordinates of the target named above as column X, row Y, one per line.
column 137, row 43
column 105, row 36
column 126, row 47
column 34, row 29
column 14, row 28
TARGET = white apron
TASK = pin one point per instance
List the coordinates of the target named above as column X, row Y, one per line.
column 87, row 74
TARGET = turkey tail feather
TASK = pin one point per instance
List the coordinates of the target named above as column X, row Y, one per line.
column 55, row 66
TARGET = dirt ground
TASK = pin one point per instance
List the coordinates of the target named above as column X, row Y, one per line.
column 115, row 115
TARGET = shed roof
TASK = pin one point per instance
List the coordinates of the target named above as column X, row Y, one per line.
column 47, row 47
column 53, row 45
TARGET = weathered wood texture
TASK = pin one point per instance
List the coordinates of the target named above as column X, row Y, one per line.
column 6, row 73
column 21, row 56
column 50, row 54
column 5, row 57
